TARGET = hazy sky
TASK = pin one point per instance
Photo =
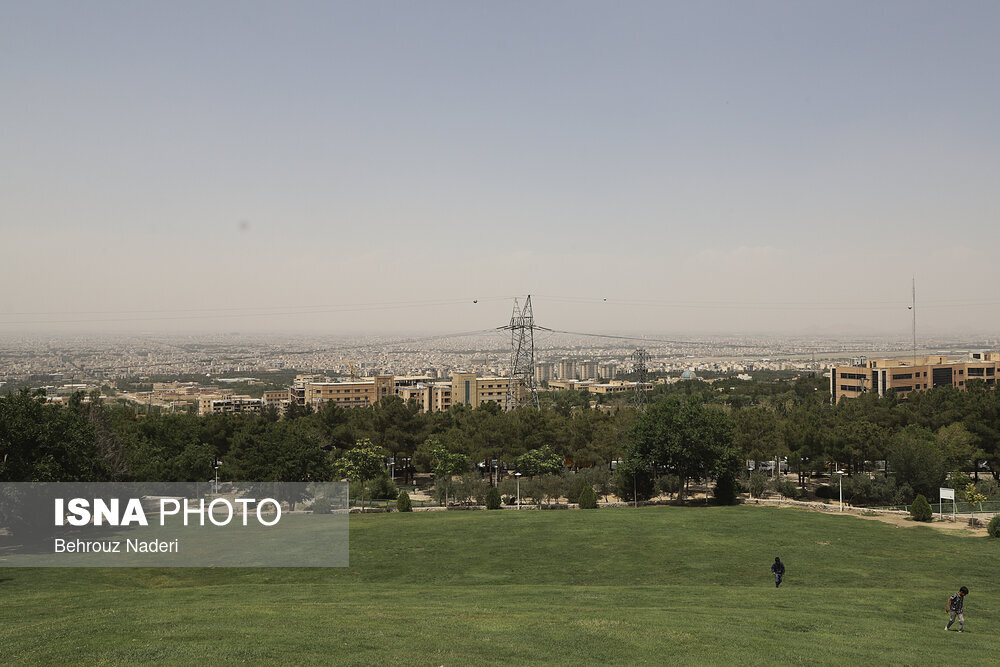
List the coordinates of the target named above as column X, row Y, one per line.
column 740, row 167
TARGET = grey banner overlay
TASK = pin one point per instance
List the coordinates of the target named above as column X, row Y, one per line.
column 266, row 524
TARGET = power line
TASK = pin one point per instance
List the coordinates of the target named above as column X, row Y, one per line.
column 228, row 312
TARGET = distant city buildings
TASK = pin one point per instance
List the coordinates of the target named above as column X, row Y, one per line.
column 913, row 374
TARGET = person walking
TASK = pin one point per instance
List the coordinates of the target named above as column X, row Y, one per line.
column 956, row 603
column 778, row 570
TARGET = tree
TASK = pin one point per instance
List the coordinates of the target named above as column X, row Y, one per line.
column 362, row 463
column 633, row 480
column 958, row 447
column 541, row 461
column 684, row 436
column 725, row 489
column 973, row 497
column 917, row 460
column 444, row 464
column 46, row 443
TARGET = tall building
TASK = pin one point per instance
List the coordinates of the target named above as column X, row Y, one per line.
column 588, row 370
column 906, row 375
column 607, row 370
column 566, row 369
column 544, row 371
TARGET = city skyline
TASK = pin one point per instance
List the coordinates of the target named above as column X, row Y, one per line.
column 688, row 169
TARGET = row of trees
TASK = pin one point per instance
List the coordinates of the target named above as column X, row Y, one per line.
column 691, row 430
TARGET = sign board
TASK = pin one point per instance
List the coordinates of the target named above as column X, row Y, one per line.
column 947, row 494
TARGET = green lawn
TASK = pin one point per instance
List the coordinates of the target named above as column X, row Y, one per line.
column 660, row 585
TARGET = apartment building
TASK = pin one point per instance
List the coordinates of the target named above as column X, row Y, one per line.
column 544, row 371
column 911, row 374
column 588, row 370
column 566, row 369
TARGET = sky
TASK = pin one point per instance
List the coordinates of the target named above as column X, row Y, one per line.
column 341, row 167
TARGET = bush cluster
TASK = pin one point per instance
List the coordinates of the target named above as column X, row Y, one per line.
column 993, row 527
column 828, row 492
column 862, row 489
column 670, row 485
column 322, row 505
column 787, row 489
column 757, row 483
column 633, row 483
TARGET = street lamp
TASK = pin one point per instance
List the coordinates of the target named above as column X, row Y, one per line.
column 517, row 476
column 216, row 465
column 840, row 481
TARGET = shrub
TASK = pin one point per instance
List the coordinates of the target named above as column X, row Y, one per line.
column 989, row 488
column 382, row 488
column 574, row 486
column 642, row 483
column 493, row 498
column 862, row 489
column 725, row 489
column 993, row 527
column 552, row 486
column 444, row 489
column 588, row 498
column 669, row 484
column 957, row 481
column 600, row 479
column 322, row 505
column 403, row 503
column 921, row 509
column 828, row 492
column 787, row 489
column 758, row 482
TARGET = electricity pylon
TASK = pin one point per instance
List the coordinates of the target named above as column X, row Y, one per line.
column 639, row 359
column 522, row 356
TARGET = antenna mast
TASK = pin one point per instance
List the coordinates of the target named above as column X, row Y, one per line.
column 913, row 307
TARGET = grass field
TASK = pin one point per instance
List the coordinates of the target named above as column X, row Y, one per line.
column 660, row 585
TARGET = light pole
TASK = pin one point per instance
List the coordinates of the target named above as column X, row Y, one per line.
column 216, row 465
column 517, row 476
column 840, row 482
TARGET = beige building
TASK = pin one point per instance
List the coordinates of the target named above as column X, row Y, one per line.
column 619, row 387
column 430, row 396
column 906, row 375
column 216, row 404
column 277, row 399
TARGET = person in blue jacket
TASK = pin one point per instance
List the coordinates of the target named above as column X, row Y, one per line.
column 778, row 570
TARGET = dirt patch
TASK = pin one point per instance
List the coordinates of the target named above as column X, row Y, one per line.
column 959, row 527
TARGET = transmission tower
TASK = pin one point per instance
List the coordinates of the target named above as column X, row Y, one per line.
column 522, row 356
column 639, row 359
